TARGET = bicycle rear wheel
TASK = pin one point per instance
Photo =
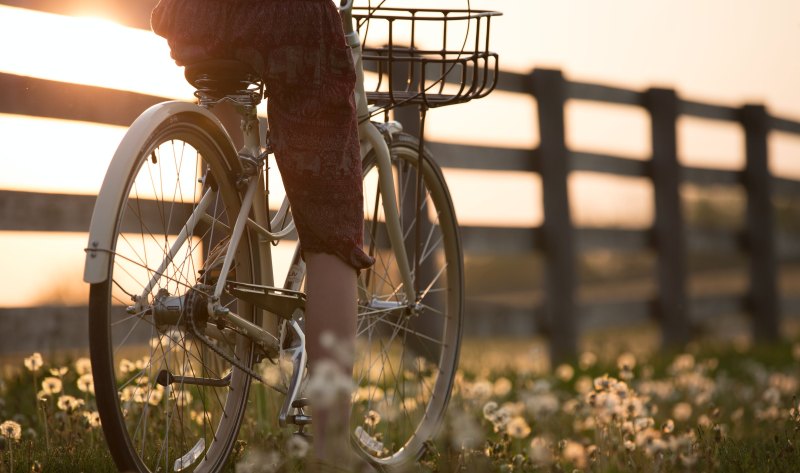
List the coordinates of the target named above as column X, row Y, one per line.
column 169, row 400
column 407, row 351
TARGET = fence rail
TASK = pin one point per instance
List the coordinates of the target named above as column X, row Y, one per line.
column 560, row 315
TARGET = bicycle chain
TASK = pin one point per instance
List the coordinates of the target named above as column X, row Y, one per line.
column 210, row 344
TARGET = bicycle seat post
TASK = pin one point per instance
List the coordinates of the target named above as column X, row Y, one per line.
column 230, row 81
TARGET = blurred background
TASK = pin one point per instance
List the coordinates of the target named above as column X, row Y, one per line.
column 74, row 73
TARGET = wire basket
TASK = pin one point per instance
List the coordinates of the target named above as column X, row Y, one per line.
column 426, row 57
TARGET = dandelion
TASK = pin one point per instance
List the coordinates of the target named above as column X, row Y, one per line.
column 502, row 387
column 629, row 445
column 92, row 418
column 587, row 360
column 59, row 371
column 86, row 383
column 682, row 363
column 575, row 453
column 68, row 403
column 583, row 385
column 565, row 372
column 258, row 461
column 602, row 383
column 34, row 362
column 372, row 418
column 83, row 366
column 539, row 452
column 51, row 385
column 668, row 427
column 328, row 383
column 297, row 446
column 518, row 428
column 126, row 366
column 489, row 409
column 682, row 411
column 626, row 361
column 11, row 430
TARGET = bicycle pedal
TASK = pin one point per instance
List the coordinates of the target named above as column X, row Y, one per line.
column 301, row 403
column 300, row 420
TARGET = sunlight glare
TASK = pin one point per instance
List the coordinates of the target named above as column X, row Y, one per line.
column 89, row 51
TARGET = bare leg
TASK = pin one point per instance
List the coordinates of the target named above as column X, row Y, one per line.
column 331, row 312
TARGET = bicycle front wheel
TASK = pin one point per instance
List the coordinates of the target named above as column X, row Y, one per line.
column 169, row 389
column 407, row 351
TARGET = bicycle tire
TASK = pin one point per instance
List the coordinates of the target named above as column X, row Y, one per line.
column 399, row 407
column 179, row 426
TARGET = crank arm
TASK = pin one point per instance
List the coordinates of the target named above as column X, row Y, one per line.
column 165, row 378
column 281, row 302
column 298, row 354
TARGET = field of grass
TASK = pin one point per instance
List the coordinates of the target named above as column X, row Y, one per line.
column 707, row 408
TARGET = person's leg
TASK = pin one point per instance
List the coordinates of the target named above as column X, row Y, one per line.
column 331, row 316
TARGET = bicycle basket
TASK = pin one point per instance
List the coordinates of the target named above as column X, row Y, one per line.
column 426, row 57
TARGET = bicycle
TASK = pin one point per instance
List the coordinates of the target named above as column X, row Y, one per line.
column 183, row 305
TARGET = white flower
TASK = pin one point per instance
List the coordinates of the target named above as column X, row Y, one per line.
column 328, row 383
column 575, row 453
column 565, row 372
column 11, row 430
column 83, row 366
column 86, row 383
column 69, row 403
column 34, row 362
column 518, row 428
column 296, row 446
column 682, row 411
column 51, row 385
column 502, row 387
column 540, row 453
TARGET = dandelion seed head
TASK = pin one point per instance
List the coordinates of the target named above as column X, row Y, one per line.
column 51, row 385
column 126, row 366
column 575, row 453
column 682, row 411
column 565, row 372
column 583, row 385
column 465, row 431
column 69, row 403
column 540, row 452
column 518, row 428
column 502, row 386
column 85, row 383
column 626, row 361
column 34, row 362
column 372, row 418
column 11, row 430
column 587, row 360
column 83, row 366
column 297, row 446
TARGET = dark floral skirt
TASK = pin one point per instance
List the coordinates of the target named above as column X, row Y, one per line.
column 299, row 49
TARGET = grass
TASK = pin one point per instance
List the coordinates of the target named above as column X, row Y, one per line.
column 711, row 407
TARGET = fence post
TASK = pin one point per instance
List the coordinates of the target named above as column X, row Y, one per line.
column 760, row 225
column 549, row 87
column 668, row 227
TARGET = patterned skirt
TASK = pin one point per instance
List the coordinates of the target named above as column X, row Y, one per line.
column 298, row 47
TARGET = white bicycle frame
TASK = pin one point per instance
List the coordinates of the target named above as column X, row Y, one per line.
column 114, row 191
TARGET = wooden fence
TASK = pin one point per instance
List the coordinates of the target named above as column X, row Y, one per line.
column 557, row 239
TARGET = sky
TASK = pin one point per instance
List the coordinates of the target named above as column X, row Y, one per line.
column 729, row 52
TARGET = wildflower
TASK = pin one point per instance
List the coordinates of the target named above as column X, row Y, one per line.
column 587, row 360
column 629, row 445
column 682, row 363
column 51, row 385
column 540, row 453
column 11, row 430
column 59, row 371
column 34, row 362
column 83, row 366
column 489, row 409
column 565, row 372
column 583, row 385
column 258, row 461
column 574, row 452
column 682, row 411
column 297, row 446
column 602, row 383
column 86, row 383
column 542, row 405
column 68, row 403
column 92, row 418
column 626, row 361
column 518, row 428
column 372, row 418
column 704, row 421
column 668, row 426
column 502, row 387
column 126, row 366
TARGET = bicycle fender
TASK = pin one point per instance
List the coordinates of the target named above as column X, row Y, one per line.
column 114, row 188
